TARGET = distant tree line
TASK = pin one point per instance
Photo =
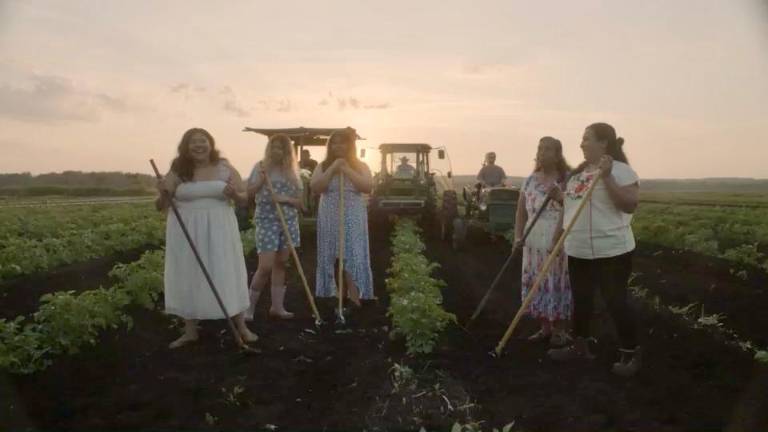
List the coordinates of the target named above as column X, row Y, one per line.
column 76, row 183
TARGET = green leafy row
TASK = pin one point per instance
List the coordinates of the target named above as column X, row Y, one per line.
column 20, row 256
column 416, row 301
column 67, row 321
column 739, row 235
column 41, row 223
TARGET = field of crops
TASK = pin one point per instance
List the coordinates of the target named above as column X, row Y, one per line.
column 83, row 341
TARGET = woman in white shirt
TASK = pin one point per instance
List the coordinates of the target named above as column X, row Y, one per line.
column 600, row 245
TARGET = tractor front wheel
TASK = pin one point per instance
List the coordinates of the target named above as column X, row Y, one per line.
column 459, row 234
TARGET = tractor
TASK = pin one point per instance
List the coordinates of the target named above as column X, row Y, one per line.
column 301, row 137
column 405, row 184
column 489, row 210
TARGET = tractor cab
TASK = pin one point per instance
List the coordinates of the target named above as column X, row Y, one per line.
column 305, row 137
column 405, row 183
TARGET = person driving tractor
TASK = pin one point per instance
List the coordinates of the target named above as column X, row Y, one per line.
column 491, row 175
column 405, row 170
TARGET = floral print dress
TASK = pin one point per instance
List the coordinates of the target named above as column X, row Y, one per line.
column 553, row 301
column 357, row 259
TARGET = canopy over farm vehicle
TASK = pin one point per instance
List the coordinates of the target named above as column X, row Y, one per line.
column 304, row 137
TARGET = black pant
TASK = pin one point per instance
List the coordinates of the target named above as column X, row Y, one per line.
column 611, row 276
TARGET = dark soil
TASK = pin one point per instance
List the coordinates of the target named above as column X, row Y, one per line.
column 21, row 296
column 690, row 381
column 338, row 377
column 681, row 277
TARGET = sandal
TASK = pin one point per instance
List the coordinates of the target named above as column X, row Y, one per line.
column 539, row 336
column 182, row 340
column 281, row 315
column 579, row 350
column 248, row 336
column 559, row 339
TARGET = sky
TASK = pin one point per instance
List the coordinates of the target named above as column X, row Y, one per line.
column 107, row 85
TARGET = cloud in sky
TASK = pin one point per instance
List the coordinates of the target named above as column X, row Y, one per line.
column 48, row 98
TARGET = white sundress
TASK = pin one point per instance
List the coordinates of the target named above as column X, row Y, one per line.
column 212, row 224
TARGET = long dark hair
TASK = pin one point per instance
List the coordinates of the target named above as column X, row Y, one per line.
column 561, row 165
column 183, row 165
column 349, row 136
column 606, row 132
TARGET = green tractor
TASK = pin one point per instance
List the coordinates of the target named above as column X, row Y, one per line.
column 405, row 184
column 301, row 137
column 490, row 210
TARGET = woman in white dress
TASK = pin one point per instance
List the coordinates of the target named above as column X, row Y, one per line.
column 201, row 185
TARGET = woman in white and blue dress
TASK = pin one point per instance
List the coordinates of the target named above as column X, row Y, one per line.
column 340, row 158
column 280, row 165
column 202, row 185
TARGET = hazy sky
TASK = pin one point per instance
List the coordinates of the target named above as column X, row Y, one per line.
column 105, row 85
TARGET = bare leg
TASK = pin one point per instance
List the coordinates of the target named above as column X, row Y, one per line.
column 266, row 262
column 544, row 332
column 559, row 334
column 353, row 294
column 278, row 287
column 245, row 332
column 190, row 334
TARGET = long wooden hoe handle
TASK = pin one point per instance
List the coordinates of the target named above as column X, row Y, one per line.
column 545, row 269
column 512, row 255
column 292, row 248
column 236, row 334
column 341, row 245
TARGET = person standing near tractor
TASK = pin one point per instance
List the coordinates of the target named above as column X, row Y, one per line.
column 342, row 165
column 202, row 185
column 552, row 304
column 491, row 175
column 279, row 164
column 601, row 243
column 306, row 162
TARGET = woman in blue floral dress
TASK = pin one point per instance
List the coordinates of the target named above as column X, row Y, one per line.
column 280, row 164
column 552, row 304
column 341, row 158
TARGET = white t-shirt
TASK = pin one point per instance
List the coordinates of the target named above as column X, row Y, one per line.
column 602, row 230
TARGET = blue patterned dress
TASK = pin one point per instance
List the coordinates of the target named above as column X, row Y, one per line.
column 268, row 230
column 553, row 301
column 357, row 259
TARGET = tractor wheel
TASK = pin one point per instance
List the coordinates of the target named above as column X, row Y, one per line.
column 445, row 229
column 448, row 211
column 459, row 235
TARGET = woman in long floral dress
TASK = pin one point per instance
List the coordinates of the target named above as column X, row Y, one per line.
column 341, row 158
column 552, row 304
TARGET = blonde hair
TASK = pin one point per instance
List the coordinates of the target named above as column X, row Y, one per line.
column 288, row 165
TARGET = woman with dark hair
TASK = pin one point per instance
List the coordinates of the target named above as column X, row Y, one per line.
column 552, row 304
column 341, row 158
column 280, row 165
column 202, row 184
column 600, row 245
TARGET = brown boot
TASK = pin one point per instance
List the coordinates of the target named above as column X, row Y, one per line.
column 629, row 363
